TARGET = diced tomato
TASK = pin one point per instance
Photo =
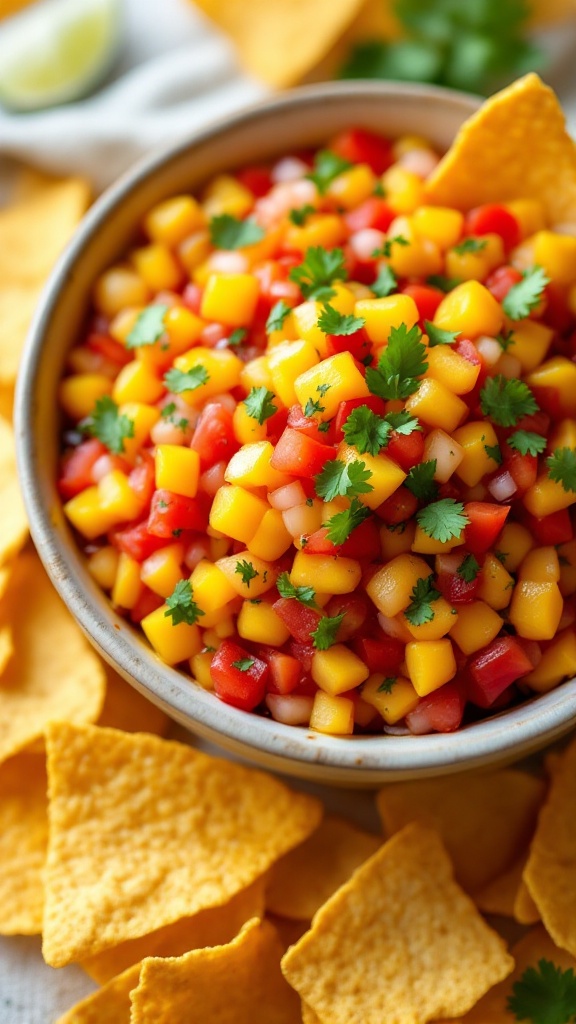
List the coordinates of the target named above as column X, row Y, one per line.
column 285, row 672
column 300, row 455
column 441, row 711
column 112, row 350
column 214, row 437
column 172, row 513
column 374, row 212
column 244, row 688
column 555, row 528
column 300, row 620
column 306, row 424
column 354, row 607
column 399, row 507
column 318, row 543
column 550, row 402
column 303, row 652
column 455, row 589
column 77, row 465
column 363, row 542
column 358, row 344
column 374, row 403
column 486, row 522
column 276, row 425
column 256, row 178
column 492, row 219
column 558, row 312
column 361, row 146
column 501, row 280
column 384, row 655
column 522, row 468
column 137, row 541
column 406, row 449
column 141, row 478
column 493, row 669
column 426, row 298
column 147, row 603
column 192, row 297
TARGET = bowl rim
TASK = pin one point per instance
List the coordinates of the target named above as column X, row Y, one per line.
column 295, row 750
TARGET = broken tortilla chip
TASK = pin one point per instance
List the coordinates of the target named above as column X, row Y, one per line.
column 493, row 157
column 54, row 673
column 127, row 709
column 399, row 942
column 6, row 646
column 302, row 880
column 144, row 832
column 13, row 522
column 499, row 896
column 525, row 910
column 109, row 1005
column 233, row 984
column 485, row 821
column 23, row 842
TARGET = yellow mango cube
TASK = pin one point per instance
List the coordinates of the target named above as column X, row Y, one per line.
column 258, row 622
column 157, row 267
column 247, row 429
column 194, row 251
column 443, row 618
column 304, row 324
column 563, row 435
column 161, row 571
column 556, row 254
column 338, row 669
column 177, row 469
column 541, row 564
column 529, row 343
column 419, row 258
column 440, row 224
column 381, row 315
column 211, row 588
column 559, row 373
column 385, row 474
column 248, row 575
column 325, row 229
column 455, row 372
column 287, row 362
column 230, row 298
column 424, row 544
column 328, row 574
column 547, row 496
column 332, row 715
column 404, row 190
column 183, row 329
column 237, row 512
column 222, row 368
column 330, row 382
column 567, row 560
column 225, row 194
column 513, row 544
column 476, row 626
column 86, row 514
column 173, row 643
column 200, row 668
column 272, row 538
column 475, row 266
column 118, row 288
column 430, row 664
column 143, row 418
column 391, row 586
column 529, row 213
column 437, row 406
column 475, row 438
column 128, row 585
column 471, row 310
column 79, row 393
column 495, row 584
column 118, row 501
column 256, row 374
column 172, row 220
column 103, row 565
column 250, row 467
column 392, row 698
column 536, row 609
column 558, row 662
column 397, row 540
column 352, row 187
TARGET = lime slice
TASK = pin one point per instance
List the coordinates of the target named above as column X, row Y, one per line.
column 56, row 51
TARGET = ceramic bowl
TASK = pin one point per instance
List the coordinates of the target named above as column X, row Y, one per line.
column 299, row 118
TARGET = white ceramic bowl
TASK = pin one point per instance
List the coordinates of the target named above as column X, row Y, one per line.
column 300, row 118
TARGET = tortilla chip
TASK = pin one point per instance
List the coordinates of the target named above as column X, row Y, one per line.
column 54, row 672
column 126, row 709
column 289, row 932
column 109, row 1005
column 485, row 821
column 303, row 880
column 144, row 832
column 13, row 522
column 213, row 927
column 525, row 910
column 400, row 942
column 6, row 646
column 23, row 841
column 494, row 158
column 235, row 984
column 7, row 401
column 280, row 42
column 550, row 873
column 5, row 574
column 499, row 897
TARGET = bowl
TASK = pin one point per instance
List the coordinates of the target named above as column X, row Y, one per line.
column 299, row 118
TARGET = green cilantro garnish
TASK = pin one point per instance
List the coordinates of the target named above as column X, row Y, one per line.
column 247, row 571
column 385, row 283
column 178, row 381
column 379, row 189
column 312, row 408
column 331, row 321
column 260, row 404
column 243, row 664
column 277, row 316
column 525, row 296
column 436, row 336
column 108, row 425
column 400, row 363
column 227, row 232
column 506, row 401
column 544, row 995
column 505, row 339
column 367, row 431
column 470, row 245
column 323, row 388
column 387, row 685
column 443, row 283
column 168, row 410
column 149, row 326
column 341, row 524
column 442, row 520
column 300, row 215
column 562, row 467
column 286, row 588
column 325, row 635
column 346, row 479
column 468, row 569
column 402, row 422
column 493, row 452
column 527, row 442
column 319, row 269
column 181, row 606
column 421, row 482
column 327, row 166
column 424, row 594
column 324, row 427
column 385, row 250
column 237, row 336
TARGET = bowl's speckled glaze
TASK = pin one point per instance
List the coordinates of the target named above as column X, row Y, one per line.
column 299, row 118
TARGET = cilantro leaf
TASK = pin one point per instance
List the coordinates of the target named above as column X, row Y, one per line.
column 468, row 569
column 544, row 995
column 442, row 520
column 341, row 524
column 178, row 381
column 108, row 425
column 505, row 339
column 247, row 571
column 149, row 326
column 243, row 664
column 470, row 245
column 493, row 452
column 525, row 296
column 400, row 363
column 167, row 411
column 562, row 467
column 324, row 636
column 421, row 482
column 277, row 316
column 227, row 232
column 367, row 431
column 346, row 479
column 331, row 321
column 319, row 269
column 402, row 422
column 260, row 404
column 385, row 250
column 327, row 166
column 385, row 283
column 300, row 214
column 387, row 685
column 506, row 400
column 527, row 442
column 181, row 606
column 237, row 336
column 419, row 610
column 437, row 336
column 313, row 407
column 443, row 283
column 306, row 595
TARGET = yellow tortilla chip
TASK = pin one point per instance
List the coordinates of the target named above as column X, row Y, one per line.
column 54, row 672
column 23, row 841
column 485, row 821
column 499, row 896
column 109, row 1005
column 550, row 873
column 288, row 931
column 235, row 984
column 280, row 42
column 124, row 708
column 525, row 910
column 400, row 942
column 144, row 832
column 212, row 927
column 303, row 879
column 6, row 646
column 515, row 147
column 13, row 522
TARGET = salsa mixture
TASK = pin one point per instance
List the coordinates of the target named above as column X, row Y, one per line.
column 320, row 442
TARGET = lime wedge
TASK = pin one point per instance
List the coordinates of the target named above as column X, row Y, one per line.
column 56, row 51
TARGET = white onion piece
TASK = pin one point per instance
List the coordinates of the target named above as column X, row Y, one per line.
column 167, row 432
column 301, row 519
column 448, row 562
column 420, row 161
column 196, row 551
column 226, row 262
column 509, row 366
column 288, row 495
column 391, row 627
column 104, row 465
column 225, row 400
column 363, row 243
column 289, row 168
column 284, row 197
column 447, row 452
column 489, row 349
column 291, row 709
column 212, row 479
column 502, row 487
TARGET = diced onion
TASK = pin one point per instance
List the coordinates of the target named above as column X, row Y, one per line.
column 291, row 709
column 489, row 349
column 502, row 487
column 228, row 262
column 392, row 627
column 167, row 432
column 300, row 519
column 287, row 496
column 225, row 400
column 447, row 452
column 420, row 161
column 212, row 479
column 196, row 551
column 363, row 243
column 290, row 168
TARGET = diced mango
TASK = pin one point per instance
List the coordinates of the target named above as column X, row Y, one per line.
column 391, row 586
column 258, row 622
column 256, row 374
column 475, row 266
column 495, row 583
column 393, row 698
column 194, row 251
column 404, row 190
column 471, row 310
column 173, row 643
column 397, row 539
column 79, row 393
column 177, row 469
column 530, row 342
column 303, row 322
column 558, row 662
column 222, row 368
column 230, row 299
column 437, row 406
column 455, row 372
column 547, row 496
column 353, row 186
column 326, row 573
column 540, row 565
column 381, row 315
column 287, row 362
column 558, row 373
column 157, row 267
column 430, row 664
column 476, row 438
column 250, row 467
column 237, row 512
column 248, row 575
column 272, row 538
column 385, row 474
column 118, row 288
column 86, row 514
column 118, row 501
column 200, row 669
column 441, row 224
column 332, row 715
column 563, row 435
column 128, row 585
column 556, row 254
column 325, row 229
column 211, row 588
column 443, row 618
column 172, row 220
column 536, row 609
column 143, row 417
column 225, row 194
column 247, row 429
column 567, row 560
column 424, row 544
column 330, row 382
column 183, row 329
column 476, row 626
column 514, row 542
column 161, row 571
column 338, row 669
column 102, row 566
